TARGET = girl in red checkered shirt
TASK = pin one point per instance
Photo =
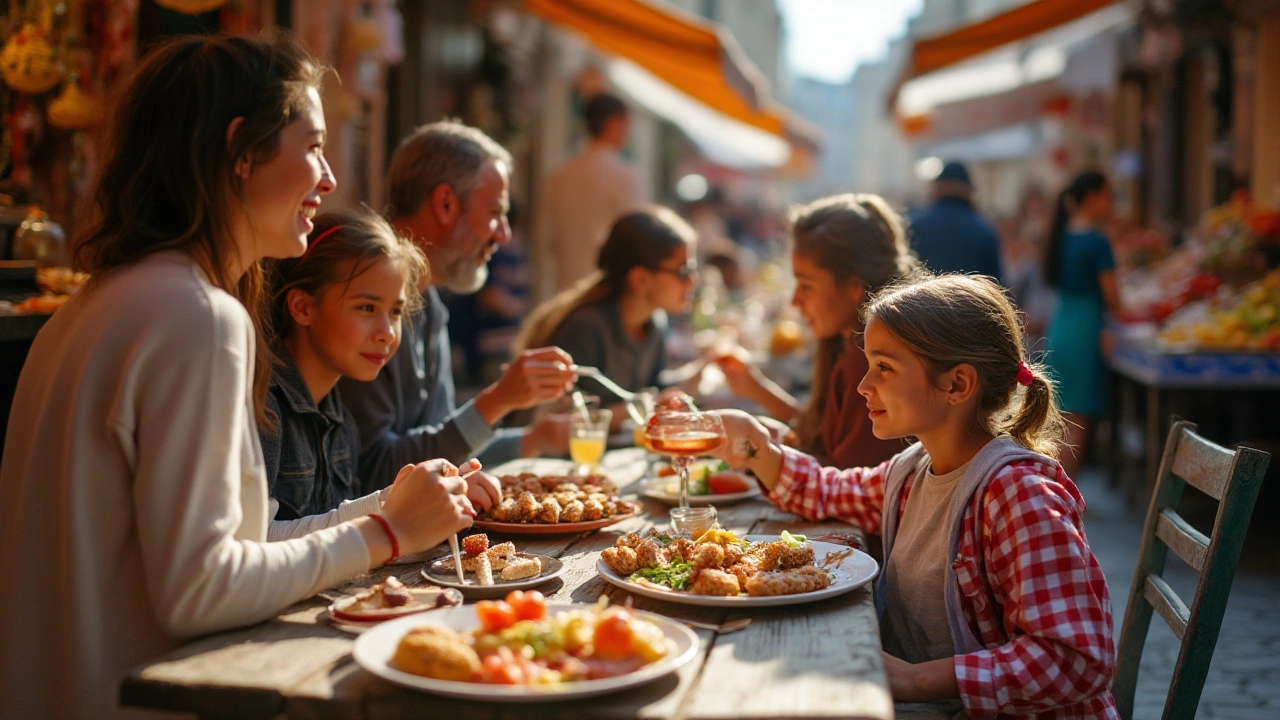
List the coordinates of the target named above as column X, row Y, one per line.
column 990, row 599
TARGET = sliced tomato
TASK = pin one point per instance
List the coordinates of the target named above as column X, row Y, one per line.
column 613, row 636
column 495, row 615
column 728, row 481
column 530, row 605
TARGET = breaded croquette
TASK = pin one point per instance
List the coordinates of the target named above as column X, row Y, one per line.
column 707, row 556
column 550, row 512
column 768, row 553
column 680, row 549
column 527, row 507
column 519, row 568
column 564, row 498
column 649, row 555
column 746, row 567
column 621, row 560
column 473, row 545
column 796, row 557
column 592, row 510
column 504, row 511
column 436, row 652
column 715, row 582
column 630, row 540
column 572, row 511
column 733, row 553
column 787, row 582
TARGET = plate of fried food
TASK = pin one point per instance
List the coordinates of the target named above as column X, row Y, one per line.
column 490, row 571
column 555, row 504
column 523, row 649
column 388, row 600
column 720, row 569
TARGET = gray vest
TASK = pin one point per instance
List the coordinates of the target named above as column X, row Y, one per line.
column 906, row 466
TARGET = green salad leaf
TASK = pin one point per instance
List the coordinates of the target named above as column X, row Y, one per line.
column 792, row 541
column 674, row 576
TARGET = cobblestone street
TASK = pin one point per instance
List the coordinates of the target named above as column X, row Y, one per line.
column 1244, row 679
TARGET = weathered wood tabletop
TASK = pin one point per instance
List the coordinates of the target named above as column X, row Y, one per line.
column 815, row 660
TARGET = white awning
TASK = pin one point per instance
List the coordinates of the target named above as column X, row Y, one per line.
column 1041, row 57
column 722, row 139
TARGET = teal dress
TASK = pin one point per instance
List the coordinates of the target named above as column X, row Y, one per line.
column 1074, row 339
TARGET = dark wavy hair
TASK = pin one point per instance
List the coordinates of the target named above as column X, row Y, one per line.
column 644, row 238
column 1085, row 184
column 168, row 173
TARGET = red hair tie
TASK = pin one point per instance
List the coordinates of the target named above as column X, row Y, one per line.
column 1024, row 376
column 320, row 237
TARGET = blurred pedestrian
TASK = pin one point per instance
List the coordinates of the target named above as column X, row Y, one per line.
column 1080, row 264
column 951, row 236
column 581, row 199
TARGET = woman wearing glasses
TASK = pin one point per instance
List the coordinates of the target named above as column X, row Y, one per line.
column 616, row 318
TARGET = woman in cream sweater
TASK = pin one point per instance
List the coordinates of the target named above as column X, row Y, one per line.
column 135, row 508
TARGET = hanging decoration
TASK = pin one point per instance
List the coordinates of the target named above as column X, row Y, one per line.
column 191, row 7
column 73, row 109
column 28, row 61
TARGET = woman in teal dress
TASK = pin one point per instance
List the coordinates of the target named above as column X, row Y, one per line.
column 1079, row 264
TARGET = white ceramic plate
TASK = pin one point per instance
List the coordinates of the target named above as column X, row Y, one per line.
column 437, row 575
column 375, row 648
column 857, row 570
column 667, row 490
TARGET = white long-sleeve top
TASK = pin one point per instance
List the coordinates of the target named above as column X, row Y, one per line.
column 134, row 507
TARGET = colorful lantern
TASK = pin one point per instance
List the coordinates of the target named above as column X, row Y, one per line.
column 28, row 62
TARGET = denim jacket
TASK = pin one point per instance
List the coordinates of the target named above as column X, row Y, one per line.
column 311, row 454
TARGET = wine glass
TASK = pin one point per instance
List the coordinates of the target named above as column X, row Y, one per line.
column 588, row 436
column 684, row 435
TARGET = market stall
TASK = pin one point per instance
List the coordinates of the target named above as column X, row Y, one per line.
column 1200, row 328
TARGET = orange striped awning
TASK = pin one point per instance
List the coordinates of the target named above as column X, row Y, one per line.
column 698, row 57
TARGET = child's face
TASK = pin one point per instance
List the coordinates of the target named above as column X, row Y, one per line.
column 356, row 327
column 283, row 193
column 826, row 306
column 902, row 399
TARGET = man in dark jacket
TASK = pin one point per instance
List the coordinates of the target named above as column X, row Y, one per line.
column 951, row 236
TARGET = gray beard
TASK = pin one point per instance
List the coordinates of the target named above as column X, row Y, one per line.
column 464, row 276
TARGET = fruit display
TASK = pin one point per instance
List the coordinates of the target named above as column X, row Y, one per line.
column 1249, row 321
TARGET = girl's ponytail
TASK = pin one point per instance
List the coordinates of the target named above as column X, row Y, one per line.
column 1038, row 424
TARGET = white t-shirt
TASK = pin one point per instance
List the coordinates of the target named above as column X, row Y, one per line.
column 135, row 507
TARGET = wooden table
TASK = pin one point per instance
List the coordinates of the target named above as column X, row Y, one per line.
column 817, row 660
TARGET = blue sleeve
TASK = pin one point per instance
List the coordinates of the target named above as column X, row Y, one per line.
column 1103, row 258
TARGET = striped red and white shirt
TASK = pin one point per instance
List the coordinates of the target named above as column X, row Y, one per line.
column 1033, row 592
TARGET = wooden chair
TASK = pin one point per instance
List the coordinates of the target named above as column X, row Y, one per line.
column 1231, row 478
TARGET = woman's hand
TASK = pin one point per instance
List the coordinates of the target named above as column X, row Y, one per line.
column 921, row 682
column 742, row 378
column 548, row 435
column 427, row 503
column 483, row 490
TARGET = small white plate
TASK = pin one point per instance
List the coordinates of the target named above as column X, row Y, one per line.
column 374, row 649
column 667, row 490
column 436, row 574
column 349, row 623
column 857, row 570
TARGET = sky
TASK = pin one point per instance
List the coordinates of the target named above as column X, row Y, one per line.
column 827, row 39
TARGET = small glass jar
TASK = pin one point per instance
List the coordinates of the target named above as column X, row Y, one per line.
column 692, row 522
column 40, row 239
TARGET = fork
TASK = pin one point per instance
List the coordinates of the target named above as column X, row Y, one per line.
column 594, row 373
column 722, row 629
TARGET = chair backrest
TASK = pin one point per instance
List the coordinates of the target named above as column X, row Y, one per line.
column 1231, row 478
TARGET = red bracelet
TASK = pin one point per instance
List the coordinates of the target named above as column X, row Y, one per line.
column 395, row 544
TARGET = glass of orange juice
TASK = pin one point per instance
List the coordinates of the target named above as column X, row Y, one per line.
column 588, row 434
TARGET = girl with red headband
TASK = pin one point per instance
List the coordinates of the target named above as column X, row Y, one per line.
column 990, row 600
column 336, row 312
